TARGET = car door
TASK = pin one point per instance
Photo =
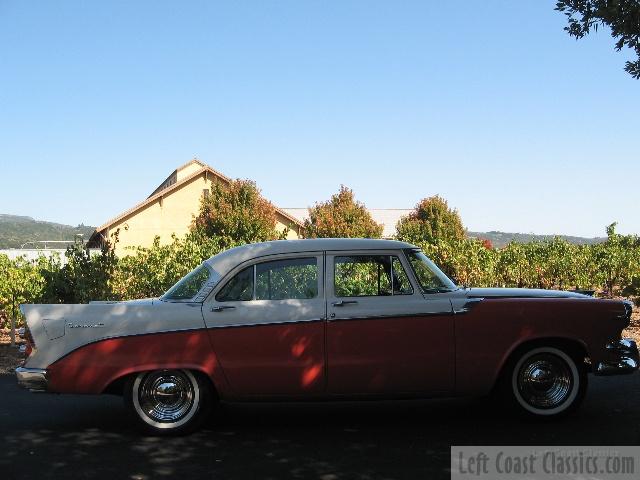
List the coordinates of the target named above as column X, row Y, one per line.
column 266, row 324
column 383, row 335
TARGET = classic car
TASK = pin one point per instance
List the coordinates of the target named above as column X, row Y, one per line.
column 325, row 319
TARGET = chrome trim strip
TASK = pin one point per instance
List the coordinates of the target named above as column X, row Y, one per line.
column 33, row 379
column 258, row 324
column 397, row 315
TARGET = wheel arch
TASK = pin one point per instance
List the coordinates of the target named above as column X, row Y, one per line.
column 575, row 348
column 117, row 384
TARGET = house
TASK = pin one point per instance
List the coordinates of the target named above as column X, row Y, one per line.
column 170, row 209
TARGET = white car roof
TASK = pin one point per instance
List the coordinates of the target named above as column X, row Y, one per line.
column 225, row 261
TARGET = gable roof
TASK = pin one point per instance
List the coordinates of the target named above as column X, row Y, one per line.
column 169, row 186
column 175, row 175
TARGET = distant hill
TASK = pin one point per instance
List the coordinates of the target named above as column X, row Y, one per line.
column 16, row 230
column 500, row 239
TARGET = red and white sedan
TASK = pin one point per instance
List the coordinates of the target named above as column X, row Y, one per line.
column 325, row 319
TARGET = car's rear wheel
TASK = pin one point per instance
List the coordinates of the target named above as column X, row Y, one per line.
column 546, row 382
column 168, row 402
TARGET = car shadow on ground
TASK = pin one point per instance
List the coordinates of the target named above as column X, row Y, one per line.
column 76, row 436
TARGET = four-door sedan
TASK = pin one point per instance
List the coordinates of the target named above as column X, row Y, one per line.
column 325, row 319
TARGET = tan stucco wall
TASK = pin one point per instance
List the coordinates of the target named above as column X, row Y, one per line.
column 188, row 170
column 171, row 214
column 283, row 222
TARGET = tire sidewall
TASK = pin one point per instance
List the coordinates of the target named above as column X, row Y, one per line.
column 578, row 382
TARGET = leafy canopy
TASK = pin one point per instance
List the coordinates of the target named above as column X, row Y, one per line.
column 621, row 16
column 341, row 217
column 236, row 214
column 431, row 220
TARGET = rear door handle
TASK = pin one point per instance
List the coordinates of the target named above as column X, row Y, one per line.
column 342, row 303
column 222, row 308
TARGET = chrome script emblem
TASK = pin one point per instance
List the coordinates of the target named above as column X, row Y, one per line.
column 85, row 325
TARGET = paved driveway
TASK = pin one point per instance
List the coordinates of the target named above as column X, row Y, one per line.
column 51, row 436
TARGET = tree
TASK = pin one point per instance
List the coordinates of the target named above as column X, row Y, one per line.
column 341, row 217
column 431, row 220
column 236, row 214
column 621, row 16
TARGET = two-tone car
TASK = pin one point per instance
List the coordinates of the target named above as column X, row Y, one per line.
column 325, row 319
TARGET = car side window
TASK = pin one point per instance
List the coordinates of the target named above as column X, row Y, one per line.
column 239, row 288
column 370, row 275
column 295, row 278
column 401, row 283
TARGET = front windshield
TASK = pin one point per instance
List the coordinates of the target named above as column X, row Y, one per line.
column 190, row 285
column 430, row 277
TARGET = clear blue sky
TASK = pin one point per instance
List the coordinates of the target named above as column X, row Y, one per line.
column 487, row 103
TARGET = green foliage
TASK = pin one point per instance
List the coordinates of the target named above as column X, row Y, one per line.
column 341, row 217
column 617, row 259
column 149, row 272
column 21, row 281
column 621, row 16
column 633, row 290
column 236, row 214
column 556, row 263
column 431, row 220
column 86, row 276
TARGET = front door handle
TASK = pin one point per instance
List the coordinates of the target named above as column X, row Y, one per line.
column 342, row 303
column 222, row 308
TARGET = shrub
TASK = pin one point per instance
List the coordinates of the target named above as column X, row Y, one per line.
column 430, row 221
column 236, row 214
column 341, row 217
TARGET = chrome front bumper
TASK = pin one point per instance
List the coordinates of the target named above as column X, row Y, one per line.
column 34, row 379
column 620, row 357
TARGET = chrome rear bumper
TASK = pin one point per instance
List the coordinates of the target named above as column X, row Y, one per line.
column 621, row 357
column 34, row 379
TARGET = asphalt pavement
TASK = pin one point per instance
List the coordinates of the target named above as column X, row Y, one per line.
column 71, row 436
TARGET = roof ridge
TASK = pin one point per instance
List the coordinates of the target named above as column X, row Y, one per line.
column 170, row 188
column 193, row 160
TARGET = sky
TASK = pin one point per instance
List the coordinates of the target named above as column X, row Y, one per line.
column 489, row 104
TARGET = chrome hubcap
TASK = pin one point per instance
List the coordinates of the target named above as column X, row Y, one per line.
column 166, row 396
column 544, row 381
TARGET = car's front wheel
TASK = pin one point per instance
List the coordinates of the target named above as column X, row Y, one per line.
column 546, row 382
column 168, row 402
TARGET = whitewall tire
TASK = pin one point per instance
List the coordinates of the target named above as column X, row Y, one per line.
column 546, row 382
column 168, row 402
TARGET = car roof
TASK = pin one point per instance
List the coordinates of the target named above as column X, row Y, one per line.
column 225, row 261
